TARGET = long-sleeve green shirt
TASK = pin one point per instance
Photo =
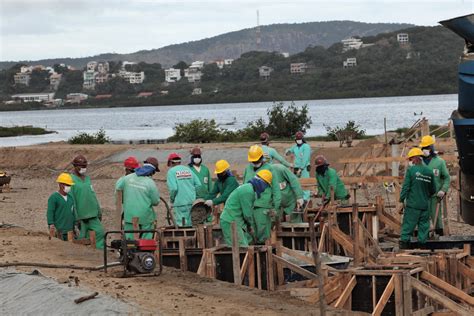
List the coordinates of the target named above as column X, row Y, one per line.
column 331, row 180
column 441, row 173
column 61, row 212
column 85, row 199
column 418, row 187
column 239, row 206
column 289, row 183
column 204, row 177
column 224, row 189
column 271, row 197
column 182, row 184
column 140, row 194
column 270, row 154
column 302, row 155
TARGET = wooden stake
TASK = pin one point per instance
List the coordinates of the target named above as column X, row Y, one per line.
column 317, row 263
column 407, row 291
column 270, row 271
column 341, row 301
column 355, row 234
column 118, row 209
column 251, row 267
column 385, row 297
column 235, row 254
column 183, row 264
column 280, row 273
column 92, row 238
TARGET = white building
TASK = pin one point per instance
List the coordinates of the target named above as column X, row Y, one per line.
column 285, row 54
column 127, row 63
column 22, row 78
column 103, row 67
column 351, row 43
column 298, row 68
column 220, row 63
column 402, row 38
column 197, row 64
column 132, row 77
column 91, row 66
column 76, row 97
column 55, row 80
column 26, row 69
column 34, row 97
column 101, row 77
column 350, row 62
column 228, row 61
column 89, row 79
column 264, row 72
column 193, row 74
column 172, row 75
column 197, row 91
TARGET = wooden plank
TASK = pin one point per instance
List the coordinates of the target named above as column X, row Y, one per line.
column 92, row 238
column 449, row 158
column 398, row 295
column 270, row 270
column 280, row 272
column 295, row 268
column 448, row 288
column 346, row 293
column 369, row 236
column 355, row 235
column 201, row 237
column 70, row 236
column 439, row 298
column 243, row 269
column 407, row 293
column 118, row 209
column 251, row 267
column 259, row 271
column 322, row 237
column 202, row 265
column 235, row 254
column 428, row 310
column 317, row 264
column 466, row 271
column 295, row 254
column 183, row 260
column 385, row 297
column 298, row 284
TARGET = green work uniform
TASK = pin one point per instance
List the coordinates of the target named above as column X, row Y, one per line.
column 140, row 194
column 87, row 209
column 182, row 184
column 222, row 189
column 61, row 213
column 291, row 191
column 418, row 187
column 204, row 177
column 269, row 199
column 302, row 161
column 442, row 181
column 270, row 153
column 239, row 209
column 329, row 180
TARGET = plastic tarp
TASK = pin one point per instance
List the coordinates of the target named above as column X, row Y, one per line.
column 35, row 294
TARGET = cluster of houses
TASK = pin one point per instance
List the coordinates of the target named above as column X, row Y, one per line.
column 99, row 72
column 194, row 72
column 23, row 77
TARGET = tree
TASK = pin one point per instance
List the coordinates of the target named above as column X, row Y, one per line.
column 346, row 134
column 181, row 65
column 285, row 122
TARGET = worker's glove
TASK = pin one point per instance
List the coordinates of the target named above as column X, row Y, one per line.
column 291, row 165
column 299, row 203
column 209, row 203
column 441, row 194
column 298, row 173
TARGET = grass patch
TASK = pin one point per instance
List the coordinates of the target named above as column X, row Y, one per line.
column 22, row 130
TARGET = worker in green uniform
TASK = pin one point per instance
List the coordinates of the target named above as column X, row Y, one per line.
column 223, row 187
column 441, row 178
column 302, row 163
column 328, row 178
column 291, row 193
column 270, row 153
column 202, row 172
column 61, row 214
column 87, row 206
column 271, row 197
column 239, row 208
column 418, row 187
column 182, row 185
column 140, row 194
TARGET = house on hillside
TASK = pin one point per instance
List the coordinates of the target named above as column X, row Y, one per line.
column 172, row 75
column 89, row 79
column 264, row 72
column 22, row 78
column 298, row 68
column 349, row 62
column 351, row 43
column 403, row 38
column 55, row 80
column 132, row 77
column 144, row 94
column 33, row 97
column 76, row 97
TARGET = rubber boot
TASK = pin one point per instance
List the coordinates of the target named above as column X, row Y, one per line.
column 404, row 245
column 439, row 231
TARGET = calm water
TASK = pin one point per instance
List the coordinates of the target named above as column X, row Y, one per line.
column 158, row 122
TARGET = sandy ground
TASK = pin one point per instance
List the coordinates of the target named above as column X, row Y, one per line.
column 34, row 169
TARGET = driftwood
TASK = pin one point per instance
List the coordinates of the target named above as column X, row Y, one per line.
column 86, row 298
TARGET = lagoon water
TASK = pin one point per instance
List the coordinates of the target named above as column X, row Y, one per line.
column 157, row 122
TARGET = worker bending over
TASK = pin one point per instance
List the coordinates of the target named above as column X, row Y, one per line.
column 418, row 187
column 239, row 208
column 270, row 153
column 87, row 206
column 202, row 172
column 223, row 187
column 441, row 179
column 328, row 178
column 61, row 214
column 182, row 185
column 302, row 162
column 140, row 194
column 291, row 193
column 271, row 197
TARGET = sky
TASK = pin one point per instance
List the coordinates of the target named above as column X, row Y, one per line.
column 37, row 29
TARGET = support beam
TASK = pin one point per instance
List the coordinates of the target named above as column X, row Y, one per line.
column 346, row 293
column 448, row 288
column 385, row 297
column 295, row 268
column 235, row 254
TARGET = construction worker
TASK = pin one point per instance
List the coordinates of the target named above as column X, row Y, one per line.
column 328, row 178
column 239, row 208
column 182, row 185
column 418, row 187
column 202, row 172
column 270, row 153
column 291, row 193
column 140, row 194
column 130, row 164
column 61, row 214
column 223, row 187
column 441, row 178
column 87, row 206
column 271, row 198
column 302, row 163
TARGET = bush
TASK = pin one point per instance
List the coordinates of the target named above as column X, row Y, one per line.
column 346, row 134
column 84, row 138
column 22, row 130
column 285, row 122
column 197, row 131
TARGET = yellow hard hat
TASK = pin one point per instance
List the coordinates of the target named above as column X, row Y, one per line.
column 415, row 152
column 221, row 166
column 255, row 153
column 266, row 176
column 65, row 178
column 427, row 141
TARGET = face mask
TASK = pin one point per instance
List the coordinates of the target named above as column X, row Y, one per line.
column 257, row 165
column 82, row 171
column 197, row 161
column 299, row 141
column 321, row 169
column 426, row 152
column 67, row 189
column 411, row 164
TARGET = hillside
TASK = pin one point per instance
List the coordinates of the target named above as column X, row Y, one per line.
column 291, row 38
